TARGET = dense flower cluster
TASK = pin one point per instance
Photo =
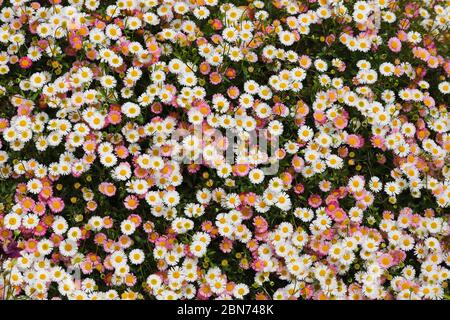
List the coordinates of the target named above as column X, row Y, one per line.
column 116, row 176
